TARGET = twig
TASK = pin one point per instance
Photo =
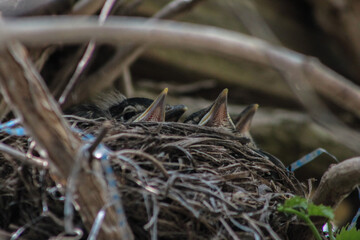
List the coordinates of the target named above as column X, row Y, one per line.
column 4, row 109
column 229, row 229
column 104, row 129
column 245, row 228
column 273, row 234
column 35, row 161
column 123, row 135
column 23, row 228
column 253, row 225
column 128, row 86
column 157, row 163
column 60, row 81
column 84, row 61
column 72, row 181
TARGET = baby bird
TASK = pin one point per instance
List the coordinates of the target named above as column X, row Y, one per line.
column 156, row 111
column 98, row 108
column 243, row 125
column 244, row 120
column 88, row 111
column 115, row 106
column 130, row 109
column 216, row 115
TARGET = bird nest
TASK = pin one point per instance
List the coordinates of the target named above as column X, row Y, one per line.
column 176, row 181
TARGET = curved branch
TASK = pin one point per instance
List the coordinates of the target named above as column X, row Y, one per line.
column 76, row 30
column 338, row 182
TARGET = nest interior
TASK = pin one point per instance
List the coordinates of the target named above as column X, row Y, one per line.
column 176, row 181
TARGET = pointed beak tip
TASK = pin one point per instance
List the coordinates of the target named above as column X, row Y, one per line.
column 225, row 92
column 165, row 91
column 222, row 97
column 161, row 97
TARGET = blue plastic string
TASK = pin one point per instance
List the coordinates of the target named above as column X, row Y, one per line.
column 19, row 131
column 9, row 124
column 103, row 153
column 309, row 158
column 8, row 127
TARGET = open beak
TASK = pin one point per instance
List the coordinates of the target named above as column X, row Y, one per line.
column 218, row 115
column 156, row 111
column 243, row 121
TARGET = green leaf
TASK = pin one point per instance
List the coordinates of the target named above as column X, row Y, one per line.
column 296, row 202
column 303, row 209
column 320, row 210
column 352, row 234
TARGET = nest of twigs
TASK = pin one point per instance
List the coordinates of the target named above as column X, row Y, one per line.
column 177, row 181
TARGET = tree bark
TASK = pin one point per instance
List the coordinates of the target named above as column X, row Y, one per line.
column 337, row 182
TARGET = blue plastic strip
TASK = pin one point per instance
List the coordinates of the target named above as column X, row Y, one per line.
column 8, row 127
column 19, row 131
column 9, row 124
column 103, row 153
column 308, row 158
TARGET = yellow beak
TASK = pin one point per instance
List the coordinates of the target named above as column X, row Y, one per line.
column 156, row 111
column 218, row 115
column 243, row 121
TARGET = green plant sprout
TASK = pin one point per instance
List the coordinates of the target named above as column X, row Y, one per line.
column 348, row 234
column 304, row 210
